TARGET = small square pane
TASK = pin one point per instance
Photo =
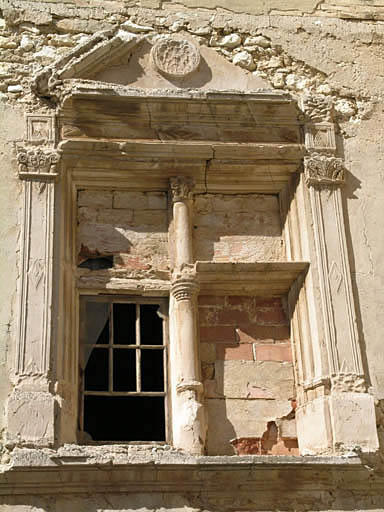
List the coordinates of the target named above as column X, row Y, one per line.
column 151, row 325
column 124, row 369
column 124, row 324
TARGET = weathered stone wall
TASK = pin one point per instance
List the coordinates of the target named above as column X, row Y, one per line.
column 130, row 227
column 247, row 370
column 237, row 228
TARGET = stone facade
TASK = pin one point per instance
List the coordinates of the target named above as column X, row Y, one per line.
column 223, row 160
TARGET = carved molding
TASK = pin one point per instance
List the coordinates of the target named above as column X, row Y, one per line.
column 41, row 129
column 320, row 137
column 194, row 385
column 324, row 170
column 181, row 188
column 38, row 163
column 175, row 57
column 185, row 286
column 348, row 382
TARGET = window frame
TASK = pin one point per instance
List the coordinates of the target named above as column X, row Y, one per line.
column 138, row 300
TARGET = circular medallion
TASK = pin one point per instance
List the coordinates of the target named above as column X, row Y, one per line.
column 174, row 57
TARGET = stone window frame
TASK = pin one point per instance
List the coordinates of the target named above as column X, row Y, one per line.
column 163, row 314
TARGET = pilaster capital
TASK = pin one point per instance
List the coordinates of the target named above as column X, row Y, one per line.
column 181, row 188
column 38, row 163
column 184, row 284
column 324, row 170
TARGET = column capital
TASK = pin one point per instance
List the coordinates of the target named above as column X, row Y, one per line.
column 181, row 188
column 324, row 170
column 38, row 163
column 184, row 284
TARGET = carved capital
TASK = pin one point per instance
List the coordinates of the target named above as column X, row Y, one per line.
column 38, row 163
column 324, row 170
column 317, row 108
column 181, row 188
column 348, row 382
column 185, row 285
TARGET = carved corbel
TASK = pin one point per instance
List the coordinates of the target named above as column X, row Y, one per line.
column 317, row 108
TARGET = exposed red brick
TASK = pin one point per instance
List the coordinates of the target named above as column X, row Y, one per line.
column 247, row 445
column 272, row 316
column 219, row 334
column 241, row 352
column 232, row 317
column 277, row 352
column 207, row 316
column 267, row 303
column 127, row 261
column 240, row 300
column 268, row 444
column 248, row 333
column 211, row 300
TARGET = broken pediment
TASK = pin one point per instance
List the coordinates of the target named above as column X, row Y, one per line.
column 150, row 61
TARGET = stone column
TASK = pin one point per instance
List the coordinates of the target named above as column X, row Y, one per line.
column 188, row 416
column 30, row 409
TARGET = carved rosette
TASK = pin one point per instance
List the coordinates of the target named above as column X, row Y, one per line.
column 38, row 163
column 181, row 188
column 324, row 170
column 175, row 57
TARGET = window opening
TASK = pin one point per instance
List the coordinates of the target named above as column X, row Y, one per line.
column 123, row 369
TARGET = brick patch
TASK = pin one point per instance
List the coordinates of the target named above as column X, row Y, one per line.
column 278, row 352
column 242, row 352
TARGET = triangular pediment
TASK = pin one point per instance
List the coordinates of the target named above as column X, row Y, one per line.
column 147, row 61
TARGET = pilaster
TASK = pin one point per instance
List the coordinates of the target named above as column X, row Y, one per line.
column 335, row 410
column 31, row 404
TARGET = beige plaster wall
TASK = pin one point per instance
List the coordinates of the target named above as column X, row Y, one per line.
column 11, row 129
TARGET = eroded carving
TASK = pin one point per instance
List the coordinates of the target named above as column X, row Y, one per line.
column 323, row 170
column 320, row 137
column 175, row 57
column 41, row 129
column 181, row 188
column 37, row 163
column 318, row 108
column 348, row 382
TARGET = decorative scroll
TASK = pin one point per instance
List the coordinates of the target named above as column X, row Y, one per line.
column 324, row 170
column 181, row 188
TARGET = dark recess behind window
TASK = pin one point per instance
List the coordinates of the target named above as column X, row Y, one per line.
column 114, row 368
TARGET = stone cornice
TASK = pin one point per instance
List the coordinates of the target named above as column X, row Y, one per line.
column 37, row 163
column 324, row 170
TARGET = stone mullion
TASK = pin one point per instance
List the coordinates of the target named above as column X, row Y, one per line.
column 31, row 396
column 188, row 416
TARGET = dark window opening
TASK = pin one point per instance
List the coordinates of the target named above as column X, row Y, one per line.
column 123, row 361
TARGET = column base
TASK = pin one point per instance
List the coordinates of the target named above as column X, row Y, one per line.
column 337, row 423
column 30, row 417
